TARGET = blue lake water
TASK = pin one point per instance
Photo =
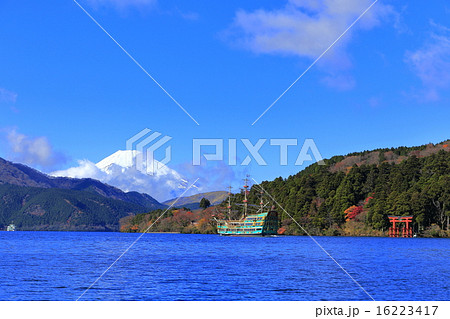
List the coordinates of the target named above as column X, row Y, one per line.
column 61, row 265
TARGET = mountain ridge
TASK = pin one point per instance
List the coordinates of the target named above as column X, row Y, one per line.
column 193, row 201
column 22, row 175
column 391, row 155
column 56, row 209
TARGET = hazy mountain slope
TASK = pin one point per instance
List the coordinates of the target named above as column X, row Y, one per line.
column 387, row 155
column 21, row 175
column 193, row 201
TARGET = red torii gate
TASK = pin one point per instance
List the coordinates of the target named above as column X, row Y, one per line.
column 394, row 231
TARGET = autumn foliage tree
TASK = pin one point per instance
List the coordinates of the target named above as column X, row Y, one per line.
column 352, row 212
column 183, row 218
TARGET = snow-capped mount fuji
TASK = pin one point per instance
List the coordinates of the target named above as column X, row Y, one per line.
column 134, row 159
column 123, row 159
column 129, row 171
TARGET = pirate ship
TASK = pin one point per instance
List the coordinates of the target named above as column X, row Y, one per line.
column 262, row 222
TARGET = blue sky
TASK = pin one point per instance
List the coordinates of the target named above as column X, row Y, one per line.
column 67, row 91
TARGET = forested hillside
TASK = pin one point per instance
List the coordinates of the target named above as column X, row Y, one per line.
column 337, row 199
column 326, row 199
column 35, row 201
column 199, row 221
column 32, row 208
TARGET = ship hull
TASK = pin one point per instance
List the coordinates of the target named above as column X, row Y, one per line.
column 256, row 234
column 247, row 235
column 264, row 224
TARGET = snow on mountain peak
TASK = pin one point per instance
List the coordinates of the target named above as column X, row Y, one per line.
column 120, row 169
column 121, row 158
column 132, row 159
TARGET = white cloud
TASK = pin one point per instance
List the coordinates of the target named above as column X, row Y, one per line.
column 129, row 179
column 119, row 171
column 340, row 82
column 305, row 28
column 7, row 96
column 431, row 63
column 85, row 169
column 375, row 101
column 188, row 15
column 34, row 151
column 213, row 175
column 122, row 4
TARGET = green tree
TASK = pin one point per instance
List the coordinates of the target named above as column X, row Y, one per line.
column 204, row 203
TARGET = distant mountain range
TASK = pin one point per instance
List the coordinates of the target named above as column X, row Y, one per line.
column 34, row 200
column 193, row 202
column 21, row 175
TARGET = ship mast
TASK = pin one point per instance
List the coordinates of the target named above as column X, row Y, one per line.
column 245, row 196
column 261, row 203
column 229, row 201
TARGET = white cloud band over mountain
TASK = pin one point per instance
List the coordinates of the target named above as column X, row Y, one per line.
column 119, row 170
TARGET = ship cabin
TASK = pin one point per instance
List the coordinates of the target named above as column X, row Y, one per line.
column 261, row 224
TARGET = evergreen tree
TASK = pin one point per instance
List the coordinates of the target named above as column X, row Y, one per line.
column 204, row 203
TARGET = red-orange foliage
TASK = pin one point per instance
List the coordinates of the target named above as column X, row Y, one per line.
column 183, row 218
column 366, row 201
column 202, row 223
column 352, row 212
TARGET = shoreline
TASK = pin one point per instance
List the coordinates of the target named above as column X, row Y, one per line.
column 86, row 231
